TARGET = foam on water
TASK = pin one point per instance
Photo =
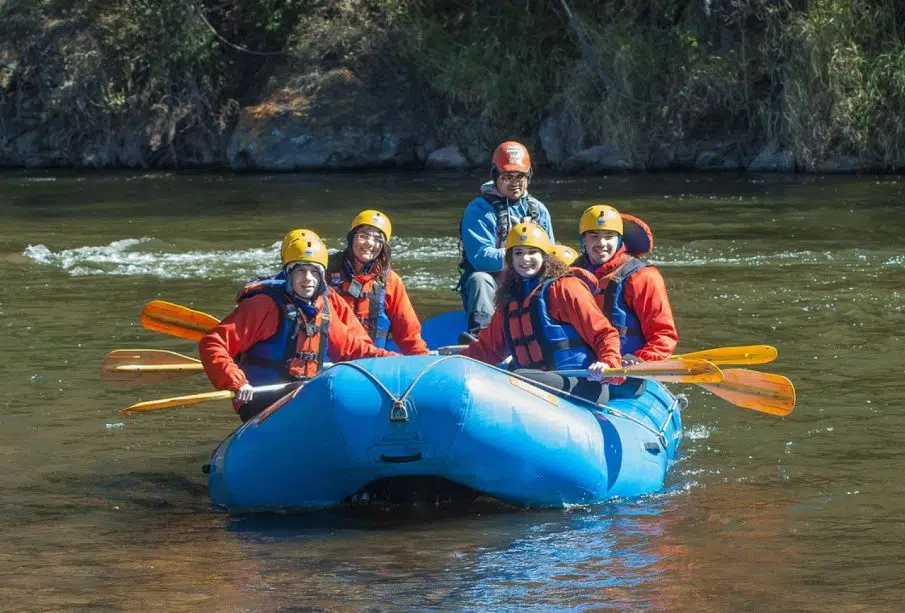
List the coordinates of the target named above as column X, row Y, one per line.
column 139, row 256
column 417, row 259
column 154, row 257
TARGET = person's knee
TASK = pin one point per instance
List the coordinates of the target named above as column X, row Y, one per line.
column 479, row 283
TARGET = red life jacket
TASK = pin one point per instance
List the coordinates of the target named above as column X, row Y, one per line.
column 536, row 340
column 368, row 301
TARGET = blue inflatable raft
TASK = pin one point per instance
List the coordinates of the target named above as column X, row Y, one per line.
column 449, row 418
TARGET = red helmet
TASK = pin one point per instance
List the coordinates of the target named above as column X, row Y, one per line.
column 511, row 156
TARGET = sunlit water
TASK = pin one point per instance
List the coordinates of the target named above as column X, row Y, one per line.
column 103, row 512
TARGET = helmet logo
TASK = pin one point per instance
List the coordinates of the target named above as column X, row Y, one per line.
column 523, row 238
column 309, row 252
column 515, row 154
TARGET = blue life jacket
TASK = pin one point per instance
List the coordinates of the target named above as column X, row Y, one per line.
column 268, row 361
column 623, row 318
column 369, row 306
column 536, row 340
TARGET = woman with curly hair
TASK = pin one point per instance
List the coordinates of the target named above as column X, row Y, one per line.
column 547, row 320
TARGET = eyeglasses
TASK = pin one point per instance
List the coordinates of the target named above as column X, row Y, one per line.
column 362, row 237
column 513, row 177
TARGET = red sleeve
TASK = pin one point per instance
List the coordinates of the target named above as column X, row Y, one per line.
column 404, row 322
column 343, row 312
column 490, row 347
column 645, row 293
column 569, row 300
column 254, row 319
column 343, row 345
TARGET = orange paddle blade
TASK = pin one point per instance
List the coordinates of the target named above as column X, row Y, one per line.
column 743, row 355
column 176, row 320
column 175, row 401
column 759, row 391
column 134, row 367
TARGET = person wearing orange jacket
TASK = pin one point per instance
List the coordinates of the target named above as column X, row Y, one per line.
column 546, row 319
column 632, row 293
column 345, row 315
column 281, row 331
column 362, row 275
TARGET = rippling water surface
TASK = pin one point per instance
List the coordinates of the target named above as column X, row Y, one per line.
column 102, row 512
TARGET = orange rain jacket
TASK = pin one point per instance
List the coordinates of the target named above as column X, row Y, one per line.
column 568, row 301
column 645, row 293
column 256, row 319
column 404, row 324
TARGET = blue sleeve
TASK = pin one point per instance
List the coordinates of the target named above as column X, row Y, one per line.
column 547, row 222
column 479, row 238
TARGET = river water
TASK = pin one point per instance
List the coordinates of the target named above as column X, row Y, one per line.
column 103, row 512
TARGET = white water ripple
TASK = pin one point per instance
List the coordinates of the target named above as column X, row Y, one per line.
column 417, row 259
column 153, row 257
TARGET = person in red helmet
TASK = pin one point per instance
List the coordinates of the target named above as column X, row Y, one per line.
column 281, row 330
column 487, row 220
column 547, row 320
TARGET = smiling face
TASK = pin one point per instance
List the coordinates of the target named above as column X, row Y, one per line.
column 367, row 243
column 512, row 185
column 527, row 261
column 305, row 279
column 600, row 245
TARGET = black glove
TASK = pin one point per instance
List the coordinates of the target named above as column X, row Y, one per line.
column 630, row 359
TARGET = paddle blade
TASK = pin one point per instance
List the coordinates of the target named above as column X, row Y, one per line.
column 759, row 391
column 135, row 367
column 165, row 403
column 176, row 320
column 744, row 355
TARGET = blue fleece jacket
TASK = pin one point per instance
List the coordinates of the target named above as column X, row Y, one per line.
column 482, row 239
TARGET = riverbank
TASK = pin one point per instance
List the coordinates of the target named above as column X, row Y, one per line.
column 274, row 86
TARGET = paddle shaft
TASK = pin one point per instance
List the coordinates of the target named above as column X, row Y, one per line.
column 165, row 403
column 140, row 368
column 741, row 355
column 673, row 370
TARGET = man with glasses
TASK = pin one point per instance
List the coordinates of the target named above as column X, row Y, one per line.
column 503, row 203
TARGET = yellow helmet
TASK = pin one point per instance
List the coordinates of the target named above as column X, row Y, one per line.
column 528, row 234
column 303, row 246
column 564, row 254
column 600, row 217
column 373, row 218
column 291, row 236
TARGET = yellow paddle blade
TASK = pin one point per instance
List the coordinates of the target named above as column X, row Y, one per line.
column 176, row 320
column 743, row 354
column 165, row 403
column 134, row 367
column 759, row 391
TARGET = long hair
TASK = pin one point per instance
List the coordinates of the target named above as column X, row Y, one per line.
column 509, row 288
column 380, row 265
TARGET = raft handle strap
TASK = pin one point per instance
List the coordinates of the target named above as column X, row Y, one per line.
column 399, row 412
